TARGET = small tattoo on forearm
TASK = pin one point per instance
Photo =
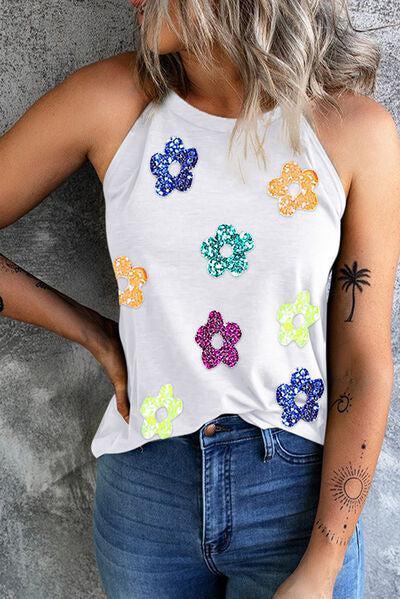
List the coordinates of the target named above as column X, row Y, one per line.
column 42, row 285
column 353, row 278
column 1, row 304
column 342, row 403
column 327, row 532
column 350, row 486
column 7, row 265
column 363, row 448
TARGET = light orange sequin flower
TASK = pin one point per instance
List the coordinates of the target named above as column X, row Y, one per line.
column 132, row 295
column 306, row 179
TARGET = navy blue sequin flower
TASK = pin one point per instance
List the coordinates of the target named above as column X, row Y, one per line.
column 185, row 160
column 300, row 383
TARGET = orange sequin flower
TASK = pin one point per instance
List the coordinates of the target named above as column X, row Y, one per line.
column 305, row 199
column 132, row 295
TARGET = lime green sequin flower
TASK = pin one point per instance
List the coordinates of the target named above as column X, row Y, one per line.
column 287, row 312
column 149, row 408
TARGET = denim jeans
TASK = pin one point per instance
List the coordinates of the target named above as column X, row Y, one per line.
column 226, row 511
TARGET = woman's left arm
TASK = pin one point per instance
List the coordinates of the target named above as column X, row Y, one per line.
column 360, row 366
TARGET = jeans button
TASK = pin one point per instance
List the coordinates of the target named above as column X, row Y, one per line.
column 210, row 430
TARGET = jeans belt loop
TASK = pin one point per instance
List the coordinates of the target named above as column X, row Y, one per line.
column 268, row 442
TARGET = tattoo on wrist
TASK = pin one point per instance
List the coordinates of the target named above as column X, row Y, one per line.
column 353, row 278
column 342, row 403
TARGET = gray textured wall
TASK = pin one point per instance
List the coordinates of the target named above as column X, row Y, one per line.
column 53, row 392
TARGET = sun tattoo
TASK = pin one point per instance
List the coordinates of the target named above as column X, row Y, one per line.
column 342, row 403
column 354, row 278
column 350, row 486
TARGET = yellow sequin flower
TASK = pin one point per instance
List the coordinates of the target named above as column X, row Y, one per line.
column 132, row 295
column 286, row 314
column 305, row 199
column 149, row 409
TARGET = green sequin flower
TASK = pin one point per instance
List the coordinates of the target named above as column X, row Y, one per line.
column 150, row 405
column 236, row 262
column 288, row 331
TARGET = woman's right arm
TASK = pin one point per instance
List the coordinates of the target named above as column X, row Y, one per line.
column 49, row 142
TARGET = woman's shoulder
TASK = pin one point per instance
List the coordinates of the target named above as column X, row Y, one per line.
column 354, row 135
column 111, row 90
column 108, row 85
column 359, row 118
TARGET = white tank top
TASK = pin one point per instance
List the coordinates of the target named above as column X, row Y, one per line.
column 222, row 276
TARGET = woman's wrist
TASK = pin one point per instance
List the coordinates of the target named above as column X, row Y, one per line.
column 95, row 332
column 322, row 557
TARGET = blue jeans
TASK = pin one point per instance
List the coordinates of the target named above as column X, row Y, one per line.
column 226, row 511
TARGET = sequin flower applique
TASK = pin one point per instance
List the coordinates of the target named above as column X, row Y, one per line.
column 304, row 199
column 230, row 334
column 236, row 262
column 132, row 295
column 288, row 312
column 310, row 391
column 175, row 155
column 150, row 410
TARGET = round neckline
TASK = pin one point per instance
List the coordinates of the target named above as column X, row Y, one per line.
column 191, row 113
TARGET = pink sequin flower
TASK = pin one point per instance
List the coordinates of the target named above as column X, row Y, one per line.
column 230, row 333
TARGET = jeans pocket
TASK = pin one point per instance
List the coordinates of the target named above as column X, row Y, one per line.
column 297, row 449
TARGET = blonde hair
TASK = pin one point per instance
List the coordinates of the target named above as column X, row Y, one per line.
column 288, row 53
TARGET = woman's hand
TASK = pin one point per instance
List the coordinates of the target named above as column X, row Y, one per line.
column 299, row 586
column 105, row 344
column 310, row 580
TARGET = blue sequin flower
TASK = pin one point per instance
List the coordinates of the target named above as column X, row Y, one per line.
column 240, row 243
column 300, row 383
column 160, row 164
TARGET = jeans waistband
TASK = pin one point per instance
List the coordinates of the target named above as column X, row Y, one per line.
column 231, row 428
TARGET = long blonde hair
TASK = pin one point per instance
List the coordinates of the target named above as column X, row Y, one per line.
column 288, row 52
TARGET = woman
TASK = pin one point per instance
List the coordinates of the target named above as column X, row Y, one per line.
column 224, row 467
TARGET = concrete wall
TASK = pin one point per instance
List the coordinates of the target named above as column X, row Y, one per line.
column 53, row 392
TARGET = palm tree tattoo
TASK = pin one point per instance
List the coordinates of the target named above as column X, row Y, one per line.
column 355, row 279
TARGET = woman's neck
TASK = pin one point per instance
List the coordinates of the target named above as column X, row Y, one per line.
column 219, row 91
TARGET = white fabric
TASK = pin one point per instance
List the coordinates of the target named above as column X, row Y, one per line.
column 163, row 235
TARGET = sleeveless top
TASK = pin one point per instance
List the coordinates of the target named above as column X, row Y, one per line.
column 222, row 276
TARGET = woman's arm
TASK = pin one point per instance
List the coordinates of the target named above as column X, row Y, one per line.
column 360, row 366
column 359, row 336
column 72, row 122
column 28, row 299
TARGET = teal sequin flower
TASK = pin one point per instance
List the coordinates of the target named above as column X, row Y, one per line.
column 236, row 262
